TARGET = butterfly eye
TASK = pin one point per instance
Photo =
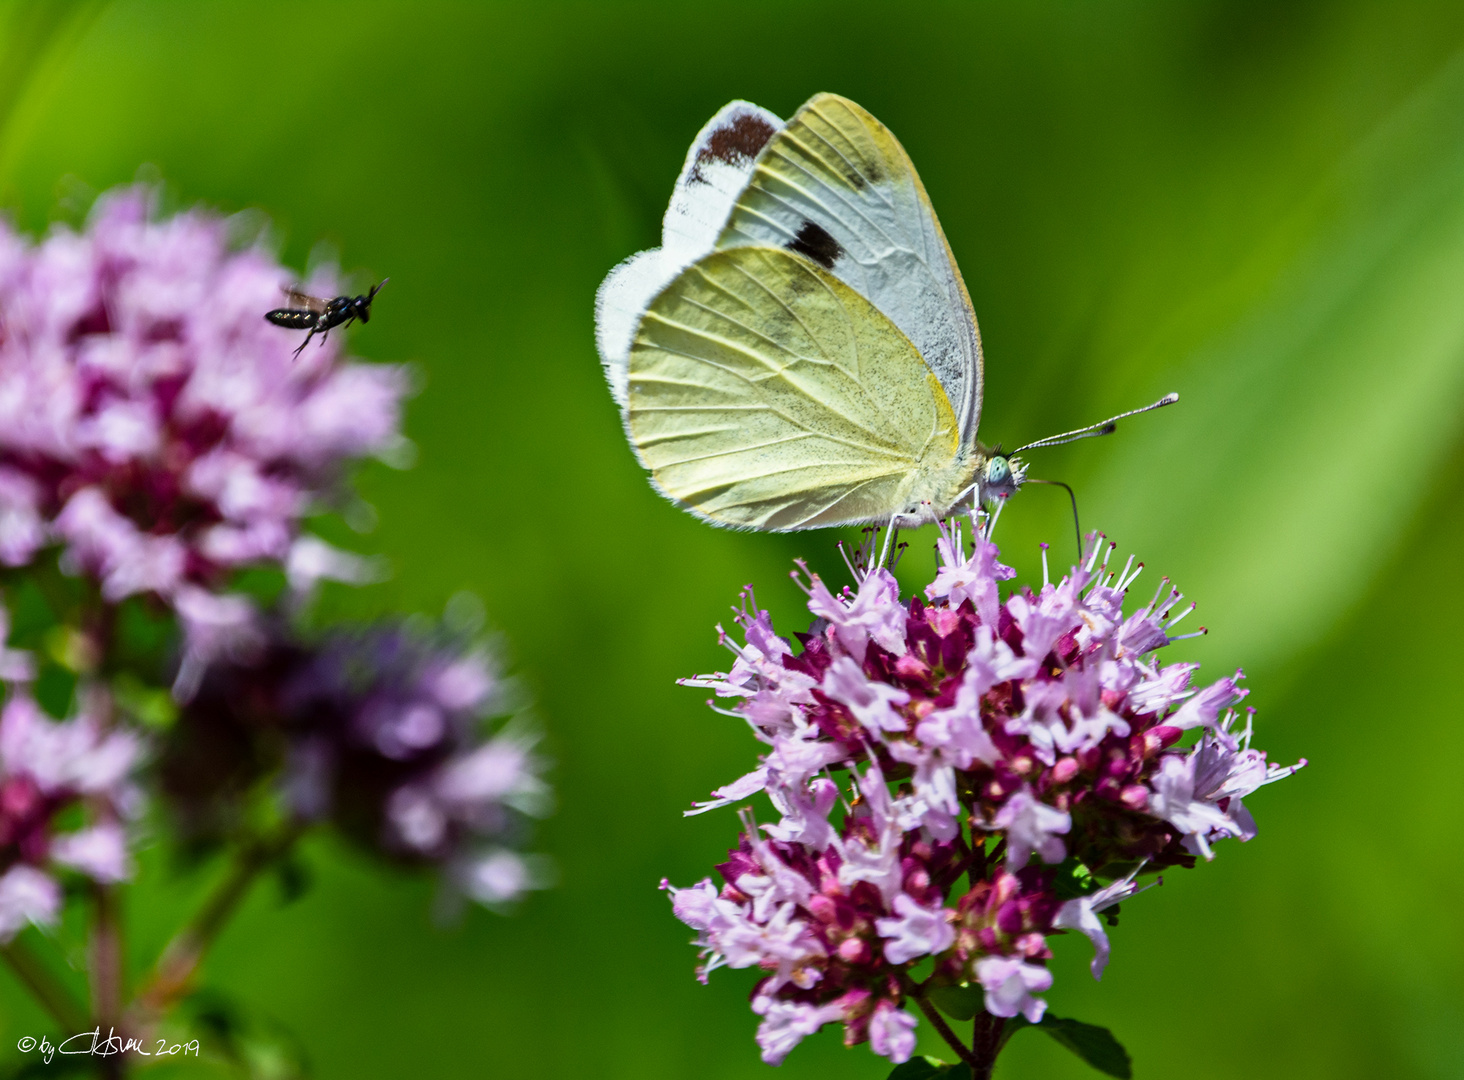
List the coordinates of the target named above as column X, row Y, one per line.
column 998, row 471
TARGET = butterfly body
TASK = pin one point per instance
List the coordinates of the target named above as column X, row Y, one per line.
column 801, row 351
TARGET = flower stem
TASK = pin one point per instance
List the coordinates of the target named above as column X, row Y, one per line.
column 985, row 1044
column 172, row 977
column 45, row 987
column 939, row 1023
column 106, row 955
column 106, row 968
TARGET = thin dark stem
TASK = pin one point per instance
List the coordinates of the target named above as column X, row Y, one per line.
column 45, row 987
column 173, row 975
column 106, row 968
column 106, row 955
column 938, row 1022
column 985, row 1044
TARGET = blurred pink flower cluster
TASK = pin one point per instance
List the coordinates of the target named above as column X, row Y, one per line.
column 156, row 427
column 386, row 730
column 158, row 438
column 49, row 771
column 1034, row 747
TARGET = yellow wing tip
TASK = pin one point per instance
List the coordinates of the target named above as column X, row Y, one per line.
column 826, row 97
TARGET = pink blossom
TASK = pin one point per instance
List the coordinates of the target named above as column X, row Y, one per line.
column 1201, row 792
column 22, row 529
column 394, row 731
column 52, row 773
column 1082, row 914
column 960, row 578
column 502, row 770
column 1009, row 982
column 27, row 896
column 1202, row 709
column 736, row 791
column 76, row 755
column 892, row 1032
column 870, row 702
column 915, row 931
column 919, row 754
column 786, row 1024
column 499, row 877
column 805, row 814
column 1031, row 826
column 874, row 613
column 152, row 423
column 99, row 852
column 214, row 627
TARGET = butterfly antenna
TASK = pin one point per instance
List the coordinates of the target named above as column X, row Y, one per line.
column 1077, row 529
column 1092, row 431
column 376, row 289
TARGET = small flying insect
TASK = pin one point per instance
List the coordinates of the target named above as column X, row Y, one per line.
column 305, row 312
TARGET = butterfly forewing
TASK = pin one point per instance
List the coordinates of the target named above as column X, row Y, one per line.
column 836, row 187
column 766, row 393
column 716, row 170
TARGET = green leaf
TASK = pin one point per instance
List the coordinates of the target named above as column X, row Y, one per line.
column 1095, row 1045
column 150, row 706
column 929, row 1068
column 919, row 1068
column 73, row 650
column 1073, row 879
column 258, row 1047
column 294, row 876
column 958, row 1002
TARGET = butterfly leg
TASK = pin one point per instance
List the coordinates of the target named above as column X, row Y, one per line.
column 890, row 530
column 892, row 534
column 992, row 516
column 899, row 521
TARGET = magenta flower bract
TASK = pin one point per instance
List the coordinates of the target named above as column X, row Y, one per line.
column 1034, row 747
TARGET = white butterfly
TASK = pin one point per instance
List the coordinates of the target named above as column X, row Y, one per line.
column 801, row 350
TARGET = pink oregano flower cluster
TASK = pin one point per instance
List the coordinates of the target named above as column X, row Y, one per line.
column 956, row 779
column 65, row 789
column 157, row 428
column 394, row 731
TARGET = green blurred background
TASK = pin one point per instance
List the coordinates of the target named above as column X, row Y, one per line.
column 1259, row 205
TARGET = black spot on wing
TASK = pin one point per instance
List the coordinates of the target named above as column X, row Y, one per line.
column 735, row 143
column 814, row 242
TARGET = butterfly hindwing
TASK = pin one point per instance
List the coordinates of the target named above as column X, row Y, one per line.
column 765, row 393
column 836, row 187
